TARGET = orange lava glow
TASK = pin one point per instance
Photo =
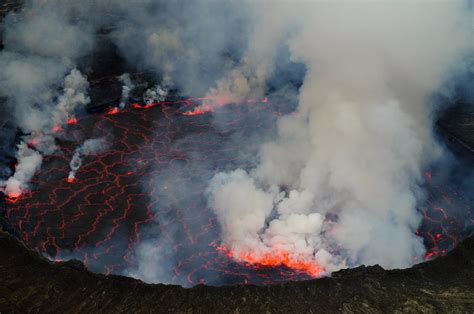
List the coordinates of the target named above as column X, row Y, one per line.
column 201, row 110
column 428, row 255
column 56, row 128
column 273, row 259
column 114, row 110
column 71, row 179
column 146, row 106
column 72, row 120
column 12, row 197
column 217, row 102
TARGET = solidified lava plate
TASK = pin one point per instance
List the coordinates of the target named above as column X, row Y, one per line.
column 149, row 185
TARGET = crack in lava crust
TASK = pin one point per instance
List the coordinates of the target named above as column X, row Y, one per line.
column 116, row 199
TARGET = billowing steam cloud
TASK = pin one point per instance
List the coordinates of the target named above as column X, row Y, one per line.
column 248, row 79
column 155, row 95
column 340, row 184
column 29, row 162
column 41, row 46
column 42, row 136
column 190, row 46
column 74, row 96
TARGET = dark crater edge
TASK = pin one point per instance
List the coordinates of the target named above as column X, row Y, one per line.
column 31, row 283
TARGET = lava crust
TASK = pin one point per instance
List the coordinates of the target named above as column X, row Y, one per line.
column 153, row 177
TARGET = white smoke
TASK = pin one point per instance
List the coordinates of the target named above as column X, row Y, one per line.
column 74, row 96
column 28, row 162
column 190, row 46
column 155, row 95
column 41, row 47
column 248, row 79
column 340, row 184
column 154, row 264
column 45, row 144
column 88, row 148
column 126, row 89
column 42, row 136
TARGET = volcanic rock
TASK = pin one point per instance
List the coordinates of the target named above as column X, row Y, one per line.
column 31, row 283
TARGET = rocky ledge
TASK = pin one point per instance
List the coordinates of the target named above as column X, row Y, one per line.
column 30, row 283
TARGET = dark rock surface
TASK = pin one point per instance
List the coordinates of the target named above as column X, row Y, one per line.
column 458, row 123
column 30, row 283
column 9, row 5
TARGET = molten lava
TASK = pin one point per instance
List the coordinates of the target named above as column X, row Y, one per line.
column 72, row 120
column 145, row 106
column 274, row 259
column 113, row 111
column 200, row 110
column 13, row 196
column 215, row 103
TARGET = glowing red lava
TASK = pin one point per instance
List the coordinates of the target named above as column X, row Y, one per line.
column 72, row 120
column 201, row 110
column 145, row 106
column 113, row 111
column 13, row 197
column 274, row 259
column 217, row 102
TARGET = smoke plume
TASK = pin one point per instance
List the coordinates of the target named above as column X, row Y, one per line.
column 88, row 148
column 126, row 89
column 29, row 162
column 73, row 97
column 340, row 184
column 155, row 95
column 41, row 46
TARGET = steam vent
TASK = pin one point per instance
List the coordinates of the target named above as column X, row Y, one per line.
column 236, row 156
